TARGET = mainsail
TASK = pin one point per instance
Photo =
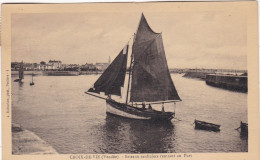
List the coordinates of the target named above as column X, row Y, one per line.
column 111, row 81
column 151, row 80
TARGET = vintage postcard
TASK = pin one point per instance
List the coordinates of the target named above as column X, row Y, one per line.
column 158, row 80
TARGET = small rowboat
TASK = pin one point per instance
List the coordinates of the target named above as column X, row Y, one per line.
column 206, row 126
column 32, row 83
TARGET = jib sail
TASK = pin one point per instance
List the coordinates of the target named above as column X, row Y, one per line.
column 111, row 81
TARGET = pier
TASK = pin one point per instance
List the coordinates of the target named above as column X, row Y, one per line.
column 26, row 142
column 231, row 82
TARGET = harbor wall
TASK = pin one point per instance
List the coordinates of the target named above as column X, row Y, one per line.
column 26, row 142
column 231, row 82
column 60, row 73
column 56, row 73
column 16, row 73
column 90, row 72
column 199, row 75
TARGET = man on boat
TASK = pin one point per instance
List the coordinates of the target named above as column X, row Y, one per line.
column 143, row 105
column 163, row 107
column 150, row 107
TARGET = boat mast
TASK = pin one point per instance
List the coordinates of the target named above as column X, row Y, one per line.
column 132, row 57
column 130, row 72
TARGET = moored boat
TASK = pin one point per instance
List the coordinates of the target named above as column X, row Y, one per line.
column 21, row 74
column 32, row 83
column 244, row 128
column 206, row 126
column 148, row 83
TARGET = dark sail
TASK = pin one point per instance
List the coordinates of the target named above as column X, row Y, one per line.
column 151, row 80
column 111, row 81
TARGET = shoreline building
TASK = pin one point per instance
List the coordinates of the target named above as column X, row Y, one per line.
column 70, row 67
column 54, row 64
column 103, row 66
column 42, row 66
column 15, row 66
column 88, row 67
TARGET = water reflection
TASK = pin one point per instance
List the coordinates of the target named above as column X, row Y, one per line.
column 137, row 136
column 20, row 85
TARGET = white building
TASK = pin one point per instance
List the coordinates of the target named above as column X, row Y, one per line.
column 53, row 64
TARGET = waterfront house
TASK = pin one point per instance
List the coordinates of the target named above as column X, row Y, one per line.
column 101, row 66
column 54, row 65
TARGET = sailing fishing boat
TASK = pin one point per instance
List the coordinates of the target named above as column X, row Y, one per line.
column 149, row 80
column 32, row 83
column 21, row 75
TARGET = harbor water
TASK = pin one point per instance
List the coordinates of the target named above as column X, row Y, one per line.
column 58, row 111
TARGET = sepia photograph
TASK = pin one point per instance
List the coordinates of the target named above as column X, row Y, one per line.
column 140, row 79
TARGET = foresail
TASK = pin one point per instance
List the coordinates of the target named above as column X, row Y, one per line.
column 151, row 80
column 111, row 81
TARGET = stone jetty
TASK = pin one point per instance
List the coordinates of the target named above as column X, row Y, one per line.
column 26, row 142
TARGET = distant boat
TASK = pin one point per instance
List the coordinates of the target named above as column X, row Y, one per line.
column 21, row 74
column 32, row 83
column 149, row 79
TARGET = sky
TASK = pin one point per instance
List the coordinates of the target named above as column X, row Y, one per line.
column 191, row 39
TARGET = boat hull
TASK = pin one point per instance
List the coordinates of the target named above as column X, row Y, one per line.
column 127, row 111
column 244, row 128
column 17, row 80
column 206, row 126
